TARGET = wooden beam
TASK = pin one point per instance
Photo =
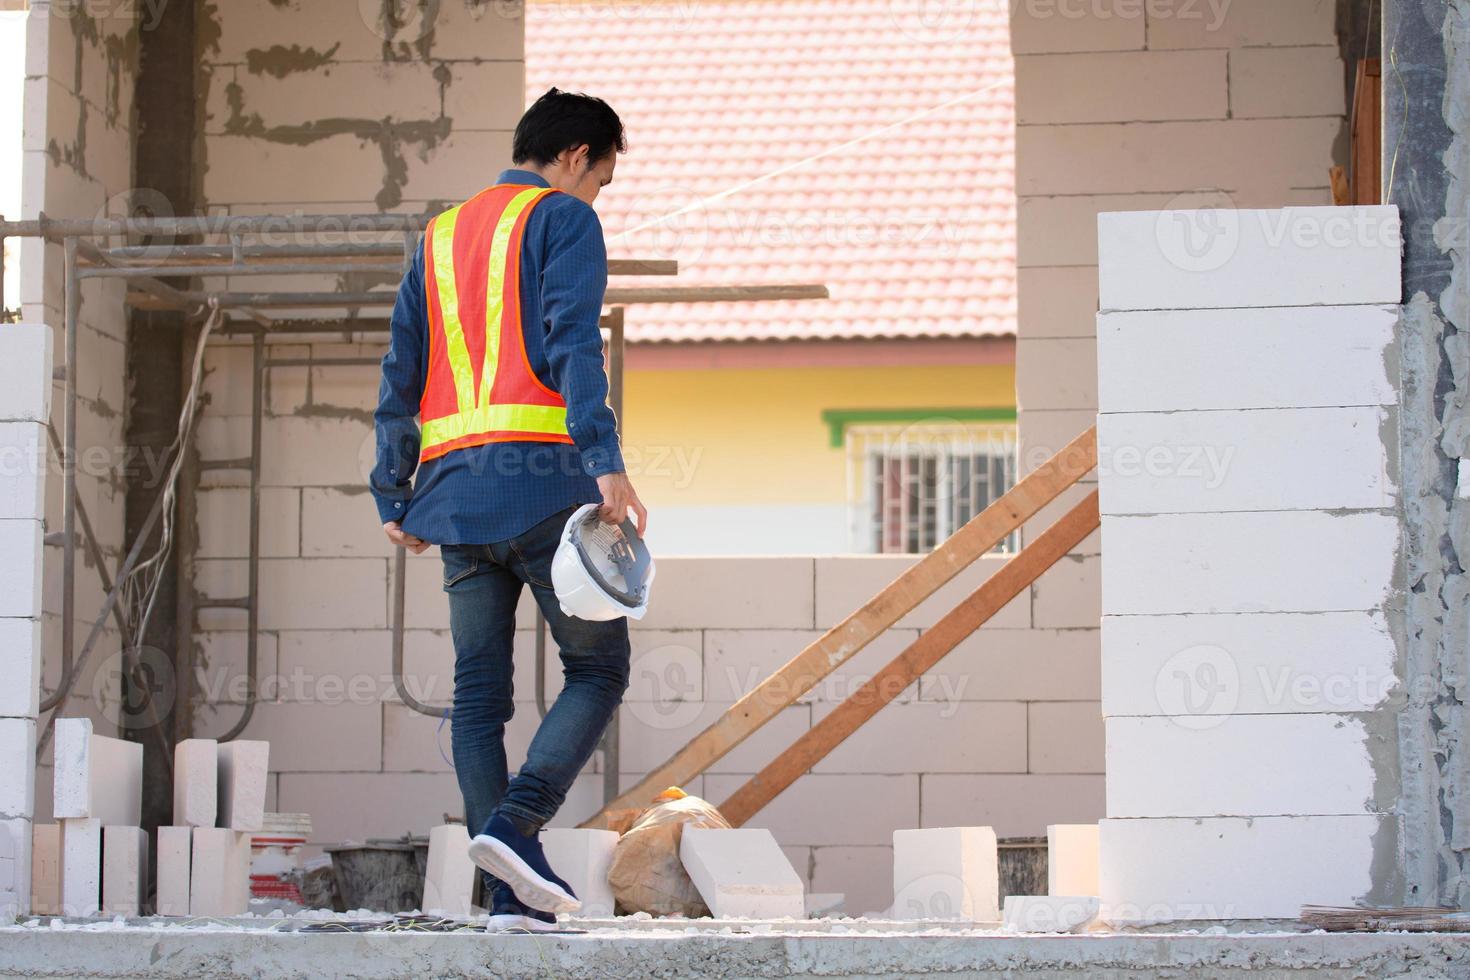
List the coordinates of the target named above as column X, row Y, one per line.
column 843, row 641
column 931, row 646
column 618, row 296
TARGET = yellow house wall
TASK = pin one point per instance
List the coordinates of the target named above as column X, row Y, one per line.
column 756, row 436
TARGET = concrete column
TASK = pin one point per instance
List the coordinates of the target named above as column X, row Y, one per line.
column 25, row 401
column 1248, row 461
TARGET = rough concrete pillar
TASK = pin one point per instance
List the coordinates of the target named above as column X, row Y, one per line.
column 1427, row 173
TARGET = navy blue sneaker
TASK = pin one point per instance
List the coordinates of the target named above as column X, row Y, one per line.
column 510, row 914
column 516, row 858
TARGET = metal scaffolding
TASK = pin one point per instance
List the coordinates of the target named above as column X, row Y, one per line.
column 251, row 246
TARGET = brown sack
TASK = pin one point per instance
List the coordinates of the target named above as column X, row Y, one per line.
column 647, row 874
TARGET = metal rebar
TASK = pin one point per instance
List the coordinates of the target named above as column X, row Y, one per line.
column 69, row 476
column 244, row 269
column 252, row 607
column 237, row 224
column 63, row 691
column 400, row 591
column 94, row 547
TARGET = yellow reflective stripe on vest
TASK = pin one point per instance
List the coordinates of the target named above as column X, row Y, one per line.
column 495, row 289
column 542, row 419
column 454, row 343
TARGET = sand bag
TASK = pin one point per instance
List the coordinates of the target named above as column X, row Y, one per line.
column 647, row 874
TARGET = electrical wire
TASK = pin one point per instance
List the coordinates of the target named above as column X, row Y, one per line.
column 140, row 589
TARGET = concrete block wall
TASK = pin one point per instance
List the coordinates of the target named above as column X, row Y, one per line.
column 992, row 737
column 77, row 162
column 1123, row 106
column 25, row 397
column 1250, row 560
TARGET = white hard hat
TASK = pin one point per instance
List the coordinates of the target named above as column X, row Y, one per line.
column 601, row 571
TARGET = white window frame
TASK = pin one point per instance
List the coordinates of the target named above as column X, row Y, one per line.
column 931, row 461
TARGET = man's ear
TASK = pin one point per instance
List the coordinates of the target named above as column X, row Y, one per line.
column 581, row 159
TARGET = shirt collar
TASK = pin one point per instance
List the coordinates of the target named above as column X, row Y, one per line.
column 517, row 176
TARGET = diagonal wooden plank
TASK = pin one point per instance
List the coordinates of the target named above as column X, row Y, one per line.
column 843, row 641
column 1018, row 574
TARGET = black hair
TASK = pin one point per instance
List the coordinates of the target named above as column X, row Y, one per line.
column 564, row 121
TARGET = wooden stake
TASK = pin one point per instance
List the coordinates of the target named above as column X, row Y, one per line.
column 1013, row 579
column 843, row 641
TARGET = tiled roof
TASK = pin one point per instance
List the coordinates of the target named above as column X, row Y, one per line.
column 912, row 225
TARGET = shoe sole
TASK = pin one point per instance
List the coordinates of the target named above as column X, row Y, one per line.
column 511, row 922
column 545, row 896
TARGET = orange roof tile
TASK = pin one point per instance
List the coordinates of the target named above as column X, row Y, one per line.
column 907, row 211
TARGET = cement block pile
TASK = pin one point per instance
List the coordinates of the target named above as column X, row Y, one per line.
column 94, row 859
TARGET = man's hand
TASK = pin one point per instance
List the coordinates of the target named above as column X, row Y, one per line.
column 395, row 534
column 619, row 497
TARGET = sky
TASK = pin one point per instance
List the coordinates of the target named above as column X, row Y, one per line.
column 12, row 74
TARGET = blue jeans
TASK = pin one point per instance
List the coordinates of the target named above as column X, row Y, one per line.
column 484, row 584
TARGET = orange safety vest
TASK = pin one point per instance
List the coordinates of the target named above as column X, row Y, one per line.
column 480, row 387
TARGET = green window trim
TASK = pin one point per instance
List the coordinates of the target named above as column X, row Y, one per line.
column 838, row 419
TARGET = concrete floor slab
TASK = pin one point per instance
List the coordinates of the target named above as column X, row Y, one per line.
column 264, row 947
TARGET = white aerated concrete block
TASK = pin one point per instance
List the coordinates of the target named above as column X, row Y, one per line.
column 243, row 769
column 20, row 662
column 1049, row 913
column 1268, row 663
column 18, row 771
column 81, row 865
column 1273, row 459
column 1247, row 562
column 1221, row 258
column 18, row 843
column 1071, row 859
column 449, row 881
column 946, row 873
column 217, row 884
column 97, row 776
column 20, row 573
column 1174, row 360
column 583, row 857
column 174, row 847
column 1236, row 868
column 46, row 869
column 742, row 874
column 196, row 782
column 25, row 372
column 23, row 448
column 124, row 870
column 1239, row 765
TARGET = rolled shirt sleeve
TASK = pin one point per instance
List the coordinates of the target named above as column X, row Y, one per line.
column 399, row 394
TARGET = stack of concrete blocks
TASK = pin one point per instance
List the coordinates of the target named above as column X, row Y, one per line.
column 1247, row 392
column 25, row 397
column 742, row 874
column 219, row 800
column 946, row 873
column 583, row 858
column 98, row 798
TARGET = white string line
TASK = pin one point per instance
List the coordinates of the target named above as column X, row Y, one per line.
column 787, row 168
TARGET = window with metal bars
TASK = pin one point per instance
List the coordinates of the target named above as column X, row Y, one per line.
column 911, row 486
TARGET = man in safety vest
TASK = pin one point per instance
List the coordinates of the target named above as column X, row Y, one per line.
column 496, row 348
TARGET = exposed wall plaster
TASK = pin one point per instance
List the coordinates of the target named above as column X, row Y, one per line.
column 1435, row 628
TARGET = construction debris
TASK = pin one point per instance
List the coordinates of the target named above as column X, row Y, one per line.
column 1405, row 919
column 647, row 874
